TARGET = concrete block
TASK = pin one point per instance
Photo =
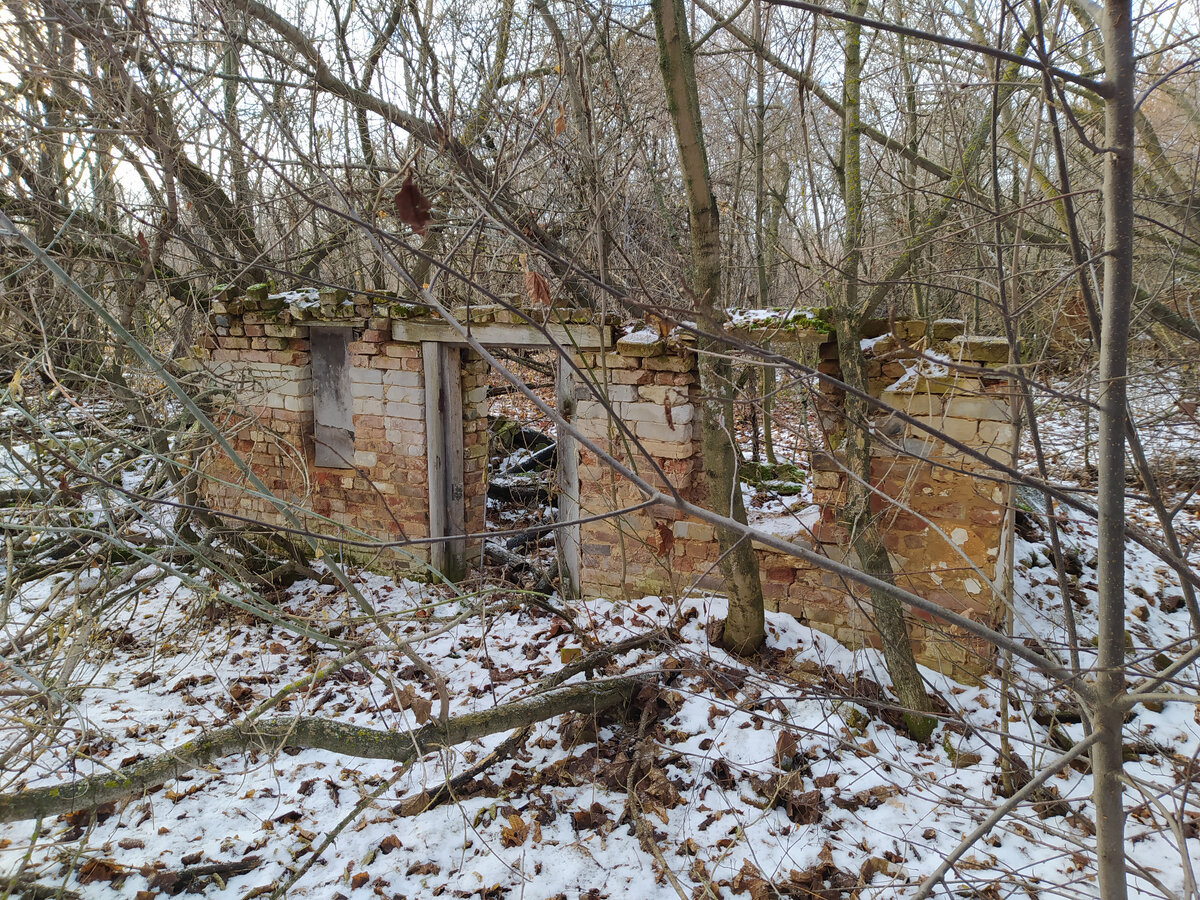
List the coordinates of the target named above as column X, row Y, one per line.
column 657, row 413
column 963, row 430
column 693, row 531
column 996, row 434
column 593, row 410
column 914, row 404
column 946, row 329
column 669, row 449
column 368, row 392
column 615, row 393
column 670, row 363
column 980, row 348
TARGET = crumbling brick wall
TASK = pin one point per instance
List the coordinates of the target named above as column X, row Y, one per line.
column 942, row 513
column 260, row 350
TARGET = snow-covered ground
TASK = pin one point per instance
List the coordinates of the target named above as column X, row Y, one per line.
column 787, row 770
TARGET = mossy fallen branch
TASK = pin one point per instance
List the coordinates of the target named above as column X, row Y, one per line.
column 310, row 733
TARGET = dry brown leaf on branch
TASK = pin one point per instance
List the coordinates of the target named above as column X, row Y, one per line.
column 666, row 539
column 537, row 289
column 560, row 123
column 412, row 207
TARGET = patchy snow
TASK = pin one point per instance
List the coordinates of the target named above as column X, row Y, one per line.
column 304, row 298
column 642, row 336
column 773, row 317
column 788, row 767
column 868, row 344
column 932, row 365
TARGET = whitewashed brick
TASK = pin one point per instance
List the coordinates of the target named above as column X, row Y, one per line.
column 366, row 406
column 359, row 375
column 401, row 378
column 662, row 394
column 404, row 410
column 662, row 432
column 402, row 394
column 368, row 391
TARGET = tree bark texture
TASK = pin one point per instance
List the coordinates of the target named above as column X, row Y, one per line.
column 744, row 626
column 856, row 513
column 1108, row 718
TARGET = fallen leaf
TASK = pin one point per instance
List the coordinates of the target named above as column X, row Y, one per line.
column 98, row 870
column 515, row 833
column 786, row 750
column 587, row 819
column 421, row 708
column 750, row 880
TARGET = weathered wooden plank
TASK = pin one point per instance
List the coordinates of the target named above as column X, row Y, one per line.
column 568, row 540
column 452, row 422
column 333, row 401
column 444, row 451
column 435, row 452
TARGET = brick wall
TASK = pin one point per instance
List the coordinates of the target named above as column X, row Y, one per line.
column 942, row 514
column 260, row 348
column 943, row 520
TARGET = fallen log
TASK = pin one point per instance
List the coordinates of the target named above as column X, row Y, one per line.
column 518, row 566
column 310, row 733
column 542, row 459
column 518, row 490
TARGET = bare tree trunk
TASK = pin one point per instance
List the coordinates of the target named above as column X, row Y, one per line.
column 745, row 626
column 856, row 514
column 760, row 233
column 1117, row 29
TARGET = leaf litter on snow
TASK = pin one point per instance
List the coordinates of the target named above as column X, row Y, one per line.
column 785, row 775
